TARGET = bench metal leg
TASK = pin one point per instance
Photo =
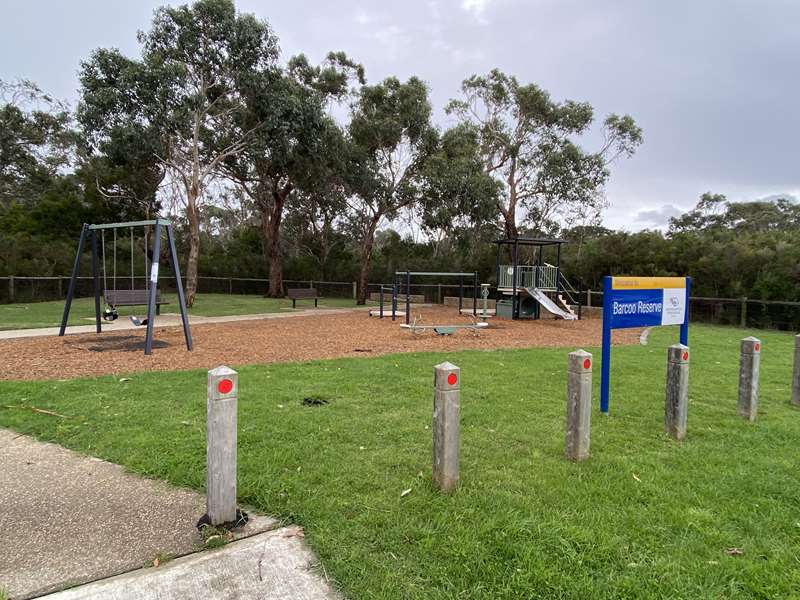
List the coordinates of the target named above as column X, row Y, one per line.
column 294, row 303
column 158, row 309
column 315, row 303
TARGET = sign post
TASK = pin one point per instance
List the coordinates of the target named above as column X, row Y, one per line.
column 640, row 302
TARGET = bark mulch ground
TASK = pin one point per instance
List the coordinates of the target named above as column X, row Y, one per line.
column 280, row 340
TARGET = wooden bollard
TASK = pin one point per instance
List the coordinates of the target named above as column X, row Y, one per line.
column 223, row 389
column 749, row 364
column 676, row 405
column 579, row 405
column 796, row 373
column 446, row 409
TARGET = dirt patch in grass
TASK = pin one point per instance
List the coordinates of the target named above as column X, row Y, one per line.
column 292, row 339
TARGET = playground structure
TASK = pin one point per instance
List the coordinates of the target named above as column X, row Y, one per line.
column 403, row 281
column 149, row 297
column 529, row 287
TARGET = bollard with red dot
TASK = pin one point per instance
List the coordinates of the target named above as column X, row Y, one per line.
column 446, row 411
column 676, row 405
column 221, row 424
column 749, row 367
column 579, row 403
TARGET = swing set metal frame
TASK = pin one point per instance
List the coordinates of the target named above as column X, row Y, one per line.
column 90, row 231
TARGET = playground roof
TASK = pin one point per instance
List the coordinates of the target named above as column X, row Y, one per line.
column 531, row 241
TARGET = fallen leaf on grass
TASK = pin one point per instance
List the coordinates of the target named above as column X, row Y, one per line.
column 734, row 551
column 636, row 477
column 295, row 532
column 405, row 492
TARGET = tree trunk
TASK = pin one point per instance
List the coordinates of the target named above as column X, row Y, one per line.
column 271, row 208
column 193, row 216
column 367, row 245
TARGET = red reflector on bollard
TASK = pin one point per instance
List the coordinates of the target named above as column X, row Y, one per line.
column 685, row 356
column 758, row 347
column 587, row 363
column 224, row 386
column 452, row 379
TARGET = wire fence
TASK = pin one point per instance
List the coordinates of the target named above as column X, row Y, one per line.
column 741, row 312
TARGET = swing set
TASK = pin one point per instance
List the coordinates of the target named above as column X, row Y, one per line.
column 112, row 298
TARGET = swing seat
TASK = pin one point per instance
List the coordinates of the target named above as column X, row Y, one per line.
column 132, row 298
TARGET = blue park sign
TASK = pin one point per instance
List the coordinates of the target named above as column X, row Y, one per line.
column 641, row 302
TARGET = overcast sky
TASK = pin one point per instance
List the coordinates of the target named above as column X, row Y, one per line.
column 714, row 84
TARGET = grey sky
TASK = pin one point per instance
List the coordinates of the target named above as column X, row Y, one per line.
column 714, row 84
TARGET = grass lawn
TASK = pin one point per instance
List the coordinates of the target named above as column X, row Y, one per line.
column 48, row 314
column 645, row 517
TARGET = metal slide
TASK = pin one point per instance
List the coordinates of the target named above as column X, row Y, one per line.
column 548, row 304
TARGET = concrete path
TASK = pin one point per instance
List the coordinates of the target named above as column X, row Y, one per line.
column 167, row 320
column 275, row 565
column 68, row 519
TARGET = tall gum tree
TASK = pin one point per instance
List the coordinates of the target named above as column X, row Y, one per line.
column 186, row 88
column 296, row 147
column 527, row 145
column 391, row 141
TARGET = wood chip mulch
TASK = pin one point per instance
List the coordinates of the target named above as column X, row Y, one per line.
column 301, row 338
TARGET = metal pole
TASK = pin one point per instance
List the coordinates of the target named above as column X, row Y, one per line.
column 151, row 298
column 605, row 367
column 173, row 260
column 460, row 293
column 76, row 268
column 475, row 296
column 221, row 425
column 408, row 297
column 96, row 277
column 446, row 409
column 514, row 299
column 684, row 335
column 381, row 300
column 11, row 291
column 394, row 299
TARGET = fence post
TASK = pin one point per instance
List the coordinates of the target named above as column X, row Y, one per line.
column 439, row 298
column 743, row 312
column 579, row 405
column 11, row 297
column 796, row 373
column 223, row 389
column 355, row 290
column 230, row 286
column 446, row 409
column 676, row 405
column 588, row 298
column 749, row 364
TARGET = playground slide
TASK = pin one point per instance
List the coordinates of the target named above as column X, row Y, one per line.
column 548, row 304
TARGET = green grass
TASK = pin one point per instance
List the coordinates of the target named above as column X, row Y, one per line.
column 645, row 517
column 48, row 314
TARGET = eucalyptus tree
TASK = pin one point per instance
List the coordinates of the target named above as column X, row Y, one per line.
column 37, row 142
column 527, row 145
column 297, row 146
column 391, row 141
column 184, row 95
column 459, row 197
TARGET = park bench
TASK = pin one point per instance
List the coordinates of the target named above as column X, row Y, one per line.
column 302, row 294
column 132, row 298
